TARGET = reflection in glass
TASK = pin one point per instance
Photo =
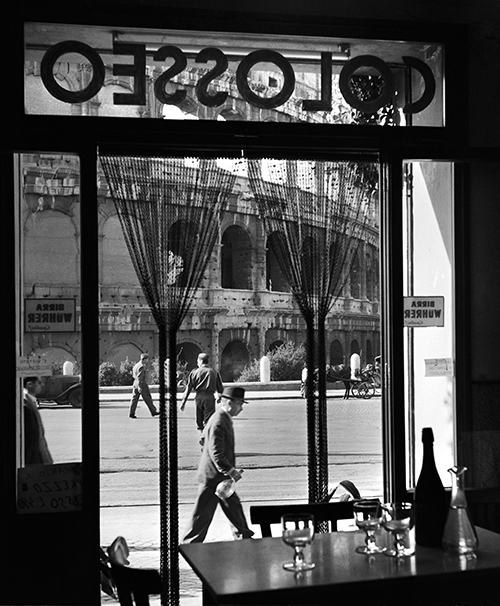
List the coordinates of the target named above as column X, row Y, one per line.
column 48, row 300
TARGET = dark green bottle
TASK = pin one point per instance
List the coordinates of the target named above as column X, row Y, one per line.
column 431, row 505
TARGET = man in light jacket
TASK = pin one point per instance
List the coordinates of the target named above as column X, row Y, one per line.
column 141, row 388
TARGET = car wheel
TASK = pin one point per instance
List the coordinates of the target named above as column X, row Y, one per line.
column 75, row 398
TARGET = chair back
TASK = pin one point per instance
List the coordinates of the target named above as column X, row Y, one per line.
column 265, row 515
column 133, row 585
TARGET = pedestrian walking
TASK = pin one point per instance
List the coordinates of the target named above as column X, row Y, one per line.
column 206, row 382
column 218, row 463
column 141, row 388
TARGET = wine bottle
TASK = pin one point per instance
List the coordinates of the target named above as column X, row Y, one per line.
column 431, row 504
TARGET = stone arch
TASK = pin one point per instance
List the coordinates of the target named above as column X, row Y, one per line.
column 178, row 235
column 369, row 352
column 231, row 113
column 236, row 259
column 188, row 352
column 121, row 351
column 355, row 279
column 355, row 348
column 309, row 265
column 336, row 352
column 234, row 358
column 275, row 280
column 370, row 282
column 275, row 345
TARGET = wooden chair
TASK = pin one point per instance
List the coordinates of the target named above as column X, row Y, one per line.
column 135, row 585
column 265, row 515
column 132, row 584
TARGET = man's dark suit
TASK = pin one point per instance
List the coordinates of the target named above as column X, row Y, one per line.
column 36, row 451
column 217, row 459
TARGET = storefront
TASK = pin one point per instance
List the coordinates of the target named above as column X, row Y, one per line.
column 123, row 90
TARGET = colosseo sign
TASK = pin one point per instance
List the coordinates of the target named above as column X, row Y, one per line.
column 136, row 70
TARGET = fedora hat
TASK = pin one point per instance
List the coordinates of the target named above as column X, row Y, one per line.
column 233, row 393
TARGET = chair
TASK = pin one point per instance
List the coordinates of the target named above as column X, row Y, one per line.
column 265, row 515
column 132, row 584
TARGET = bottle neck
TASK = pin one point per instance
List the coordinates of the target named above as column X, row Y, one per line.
column 428, row 458
column 458, row 498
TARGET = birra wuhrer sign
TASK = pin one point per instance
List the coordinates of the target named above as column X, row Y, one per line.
column 423, row 311
column 50, row 315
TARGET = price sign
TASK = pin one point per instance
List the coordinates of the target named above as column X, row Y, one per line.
column 49, row 488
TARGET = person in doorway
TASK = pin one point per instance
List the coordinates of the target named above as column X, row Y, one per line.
column 141, row 388
column 217, row 463
column 36, row 450
column 206, row 382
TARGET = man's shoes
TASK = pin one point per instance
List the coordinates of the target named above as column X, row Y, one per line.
column 155, row 413
column 132, row 416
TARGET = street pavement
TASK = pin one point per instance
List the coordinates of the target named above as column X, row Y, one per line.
column 271, row 445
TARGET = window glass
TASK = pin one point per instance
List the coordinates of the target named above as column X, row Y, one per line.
column 93, row 71
column 48, row 294
column 429, row 320
column 244, row 310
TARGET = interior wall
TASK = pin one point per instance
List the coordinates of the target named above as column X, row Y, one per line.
column 484, row 291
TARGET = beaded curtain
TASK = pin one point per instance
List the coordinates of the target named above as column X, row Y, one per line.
column 170, row 210
column 314, row 214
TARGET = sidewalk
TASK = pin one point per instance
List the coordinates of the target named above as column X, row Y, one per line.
column 140, row 526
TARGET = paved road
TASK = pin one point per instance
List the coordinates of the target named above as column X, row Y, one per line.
column 271, row 445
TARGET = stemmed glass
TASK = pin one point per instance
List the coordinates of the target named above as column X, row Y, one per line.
column 298, row 532
column 397, row 519
column 368, row 517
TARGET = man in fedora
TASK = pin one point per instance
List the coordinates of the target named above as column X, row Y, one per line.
column 217, row 464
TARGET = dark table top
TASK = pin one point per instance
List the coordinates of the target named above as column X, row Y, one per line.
column 251, row 572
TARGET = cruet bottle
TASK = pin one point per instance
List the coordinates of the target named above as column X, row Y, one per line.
column 459, row 532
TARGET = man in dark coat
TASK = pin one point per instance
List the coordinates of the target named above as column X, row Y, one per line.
column 217, row 464
column 205, row 381
column 36, row 451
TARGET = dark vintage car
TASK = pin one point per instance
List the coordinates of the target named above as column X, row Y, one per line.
column 62, row 389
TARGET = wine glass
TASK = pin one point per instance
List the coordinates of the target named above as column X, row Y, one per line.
column 397, row 519
column 368, row 517
column 298, row 532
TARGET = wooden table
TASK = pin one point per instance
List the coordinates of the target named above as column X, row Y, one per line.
column 251, row 572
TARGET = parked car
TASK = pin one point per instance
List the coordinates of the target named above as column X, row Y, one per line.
column 62, row 389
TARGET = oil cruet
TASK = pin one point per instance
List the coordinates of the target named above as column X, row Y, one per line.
column 459, row 532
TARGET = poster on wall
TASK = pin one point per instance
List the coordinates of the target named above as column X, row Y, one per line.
column 29, row 366
column 439, row 367
column 50, row 315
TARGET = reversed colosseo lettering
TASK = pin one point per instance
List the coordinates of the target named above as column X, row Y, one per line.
column 137, row 72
